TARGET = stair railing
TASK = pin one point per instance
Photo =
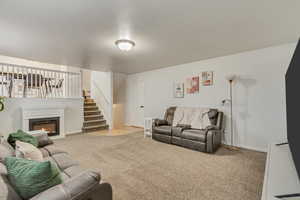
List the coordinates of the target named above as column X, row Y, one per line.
column 30, row 82
column 103, row 103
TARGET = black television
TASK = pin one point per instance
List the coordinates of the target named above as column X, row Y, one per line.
column 292, row 79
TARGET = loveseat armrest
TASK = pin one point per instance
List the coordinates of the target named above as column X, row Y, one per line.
column 214, row 138
column 184, row 126
column 160, row 122
column 78, row 187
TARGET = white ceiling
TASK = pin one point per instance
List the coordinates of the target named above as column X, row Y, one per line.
column 167, row 32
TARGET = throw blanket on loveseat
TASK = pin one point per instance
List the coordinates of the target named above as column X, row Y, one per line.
column 196, row 117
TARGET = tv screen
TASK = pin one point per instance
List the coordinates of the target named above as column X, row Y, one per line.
column 292, row 79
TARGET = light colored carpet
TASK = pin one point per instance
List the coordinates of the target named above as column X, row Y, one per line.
column 144, row 169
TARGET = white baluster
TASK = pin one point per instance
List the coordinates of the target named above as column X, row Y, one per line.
column 40, row 84
column 61, row 85
column 7, row 80
column 80, row 83
column 24, row 80
column 68, row 84
column 43, row 85
column 2, row 84
column 31, row 81
column 74, row 85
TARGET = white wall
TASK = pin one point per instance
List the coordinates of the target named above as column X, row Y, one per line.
column 102, row 93
column 258, row 94
column 11, row 117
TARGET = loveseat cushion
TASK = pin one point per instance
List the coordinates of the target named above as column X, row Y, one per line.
column 64, row 161
column 74, row 171
column 194, row 134
column 50, row 150
column 165, row 130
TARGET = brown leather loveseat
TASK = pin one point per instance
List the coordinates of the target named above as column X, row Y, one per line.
column 204, row 140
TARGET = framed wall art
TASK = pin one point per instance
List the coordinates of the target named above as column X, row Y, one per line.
column 179, row 90
column 207, row 78
column 192, row 85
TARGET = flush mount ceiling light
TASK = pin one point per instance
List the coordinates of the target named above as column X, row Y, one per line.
column 125, row 45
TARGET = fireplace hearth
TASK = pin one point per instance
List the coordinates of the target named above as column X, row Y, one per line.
column 50, row 125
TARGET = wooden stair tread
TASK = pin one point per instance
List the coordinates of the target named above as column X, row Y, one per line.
column 90, row 106
column 93, row 121
column 96, row 126
column 91, row 116
column 91, row 111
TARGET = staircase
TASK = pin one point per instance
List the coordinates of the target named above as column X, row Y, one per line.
column 93, row 119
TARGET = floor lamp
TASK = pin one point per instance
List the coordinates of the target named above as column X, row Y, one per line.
column 230, row 78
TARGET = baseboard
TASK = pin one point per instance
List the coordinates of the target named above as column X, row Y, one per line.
column 254, row 148
column 137, row 127
column 248, row 148
column 74, row 132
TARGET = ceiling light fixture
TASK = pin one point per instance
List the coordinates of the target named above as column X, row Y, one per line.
column 125, row 45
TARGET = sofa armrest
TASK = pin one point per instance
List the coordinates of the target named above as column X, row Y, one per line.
column 214, row 139
column 103, row 191
column 160, row 122
column 184, row 126
column 78, row 187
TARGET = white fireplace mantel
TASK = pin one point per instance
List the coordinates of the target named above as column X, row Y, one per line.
column 36, row 113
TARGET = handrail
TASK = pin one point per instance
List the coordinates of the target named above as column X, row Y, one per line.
column 32, row 82
column 104, row 105
column 98, row 89
column 38, row 68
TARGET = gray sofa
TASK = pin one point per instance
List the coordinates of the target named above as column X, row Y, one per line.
column 204, row 140
column 78, row 183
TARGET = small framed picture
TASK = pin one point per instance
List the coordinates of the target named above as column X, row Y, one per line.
column 192, row 85
column 207, row 78
column 178, row 90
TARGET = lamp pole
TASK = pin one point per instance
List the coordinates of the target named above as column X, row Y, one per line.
column 231, row 113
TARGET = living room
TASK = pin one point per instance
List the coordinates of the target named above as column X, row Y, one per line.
column 149, row 100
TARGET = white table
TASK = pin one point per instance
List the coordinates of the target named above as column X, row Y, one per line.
column 148, row 127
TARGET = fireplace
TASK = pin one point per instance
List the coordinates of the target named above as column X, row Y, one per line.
column 51, row 119
column 50, row 125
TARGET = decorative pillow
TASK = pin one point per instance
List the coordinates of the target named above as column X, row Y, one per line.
column 43, row 139
column 21, row 136
column 29, row 177
column 28, row 151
